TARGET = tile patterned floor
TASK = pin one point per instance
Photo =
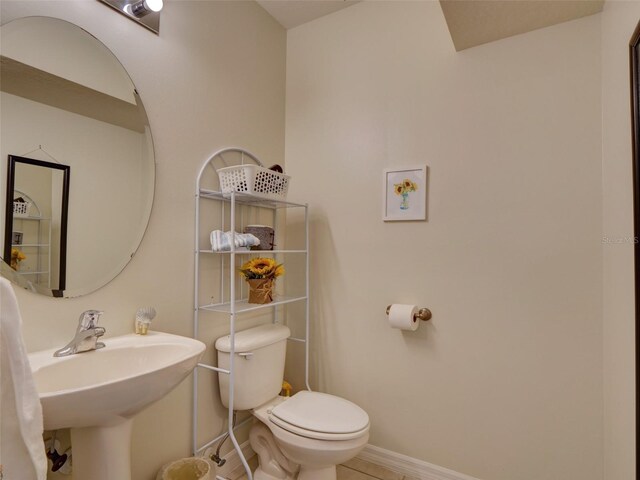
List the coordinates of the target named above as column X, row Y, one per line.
column 354, row 469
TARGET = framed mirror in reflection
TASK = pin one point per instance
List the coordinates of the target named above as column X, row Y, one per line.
column 35, row 231
column 634, row 66
column 64, row 91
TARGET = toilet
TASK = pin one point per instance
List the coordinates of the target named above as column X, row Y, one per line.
column 304, row 436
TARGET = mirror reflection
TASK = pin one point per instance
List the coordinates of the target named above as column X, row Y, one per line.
column 35, row 232
column 66, row 101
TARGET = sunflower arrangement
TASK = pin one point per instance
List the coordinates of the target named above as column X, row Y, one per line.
column 257, row 268
column 260, row 273
column 405, row 187
column 16, row 257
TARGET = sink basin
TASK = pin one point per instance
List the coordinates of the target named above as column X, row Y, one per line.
column 105, row 386
column 97, row 394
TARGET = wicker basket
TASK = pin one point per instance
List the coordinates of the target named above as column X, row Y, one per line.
column 254, row 180
column 21, row 208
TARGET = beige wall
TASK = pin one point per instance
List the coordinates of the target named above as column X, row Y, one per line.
column 619, row 20
column 506, row 382
column 213, row 78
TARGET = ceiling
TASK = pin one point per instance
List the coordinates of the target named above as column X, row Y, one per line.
column 291, row 13
column 474, row 22
column 470, row 22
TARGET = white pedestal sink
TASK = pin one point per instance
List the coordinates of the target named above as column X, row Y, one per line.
column 96, row 394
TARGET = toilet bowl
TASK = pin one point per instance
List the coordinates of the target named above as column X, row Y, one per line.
column 314, row 431
column 304, row 436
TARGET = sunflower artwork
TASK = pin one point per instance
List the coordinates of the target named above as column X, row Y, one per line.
column 261, row 273
column 403, row 189
column 404, row 194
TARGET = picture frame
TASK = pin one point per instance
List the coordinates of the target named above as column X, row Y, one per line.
column 405, row 194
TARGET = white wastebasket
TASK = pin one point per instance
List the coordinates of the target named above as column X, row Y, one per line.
column 186, row 469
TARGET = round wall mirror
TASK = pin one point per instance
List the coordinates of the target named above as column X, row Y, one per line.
column 77, row 170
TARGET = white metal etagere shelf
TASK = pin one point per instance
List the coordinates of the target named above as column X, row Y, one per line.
column 39, row 248
column 230, row 205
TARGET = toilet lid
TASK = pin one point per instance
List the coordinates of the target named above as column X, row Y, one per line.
column 321, row 413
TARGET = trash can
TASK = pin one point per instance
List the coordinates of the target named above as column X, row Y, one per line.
column 186, row 469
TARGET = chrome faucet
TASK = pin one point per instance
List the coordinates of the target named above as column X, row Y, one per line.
column 86, row 337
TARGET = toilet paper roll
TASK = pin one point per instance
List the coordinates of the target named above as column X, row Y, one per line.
column 403, row 317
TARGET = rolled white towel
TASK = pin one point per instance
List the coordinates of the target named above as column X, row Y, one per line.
column 245, row 239
column 221, row 241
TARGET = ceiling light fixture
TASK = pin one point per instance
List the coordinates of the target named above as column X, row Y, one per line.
column 145, row 7
column 143, row 12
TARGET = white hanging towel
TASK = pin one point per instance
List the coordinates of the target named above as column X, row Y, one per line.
column 22, row 454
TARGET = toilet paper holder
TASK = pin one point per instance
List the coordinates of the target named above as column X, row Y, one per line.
column 422, row 314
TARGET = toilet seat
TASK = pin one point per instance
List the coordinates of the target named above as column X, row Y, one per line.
column 320, row 416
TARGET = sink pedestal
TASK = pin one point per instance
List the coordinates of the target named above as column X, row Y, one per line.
column 102, row 453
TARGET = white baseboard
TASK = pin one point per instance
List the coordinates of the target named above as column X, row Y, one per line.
column 409, row 466
column 233, row 461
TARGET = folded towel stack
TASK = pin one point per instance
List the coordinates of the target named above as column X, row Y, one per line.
column 221, row 241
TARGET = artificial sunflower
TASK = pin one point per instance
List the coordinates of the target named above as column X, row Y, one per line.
column 279, row 270
column 16, row 257
column 260, row 267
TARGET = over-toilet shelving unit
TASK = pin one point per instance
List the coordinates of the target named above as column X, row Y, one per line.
column 230, row 294
column 36, row 241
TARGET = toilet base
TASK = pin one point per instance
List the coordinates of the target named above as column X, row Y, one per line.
column 273, row 465
column 289, row 457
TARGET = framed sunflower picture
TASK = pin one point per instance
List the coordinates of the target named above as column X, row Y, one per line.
column 405, row 194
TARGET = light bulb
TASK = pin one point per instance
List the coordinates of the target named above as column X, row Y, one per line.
column 154, row 5
column 145, row 7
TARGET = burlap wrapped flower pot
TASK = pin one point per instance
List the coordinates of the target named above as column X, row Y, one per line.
column 260, row 290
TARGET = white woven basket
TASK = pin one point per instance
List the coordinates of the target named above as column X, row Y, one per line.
column 254, row 180
column 21, row 208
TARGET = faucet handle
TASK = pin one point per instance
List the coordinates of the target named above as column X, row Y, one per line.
column 89, row 319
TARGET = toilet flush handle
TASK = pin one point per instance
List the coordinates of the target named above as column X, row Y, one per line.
column 246, row 355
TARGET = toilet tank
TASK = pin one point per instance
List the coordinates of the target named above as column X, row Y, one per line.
column 258, row 365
